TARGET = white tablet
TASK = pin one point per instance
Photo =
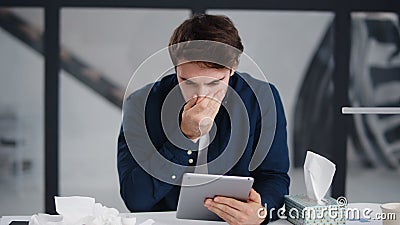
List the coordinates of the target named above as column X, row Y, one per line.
column 197, row 187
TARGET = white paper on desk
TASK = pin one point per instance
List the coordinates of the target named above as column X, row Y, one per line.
column 47, row 219
column 74, row 208
column 83, row 210
column 128, row 220
column 318, row 175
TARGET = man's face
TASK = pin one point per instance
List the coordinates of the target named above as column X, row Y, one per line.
column 195, row 79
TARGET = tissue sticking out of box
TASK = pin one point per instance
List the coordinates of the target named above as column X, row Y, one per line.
column 83, row 210
column 318, row 175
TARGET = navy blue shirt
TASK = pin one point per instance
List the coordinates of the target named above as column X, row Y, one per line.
column 143, row 114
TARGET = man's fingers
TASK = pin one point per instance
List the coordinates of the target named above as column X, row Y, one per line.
column 201, row 98
column 230, row 202
column 221, row 210
column 223, row 215
column 190, row 103
column 254, row 196
column 234, row 211
column 212, row 103
column 218, row 96
column 215, row 100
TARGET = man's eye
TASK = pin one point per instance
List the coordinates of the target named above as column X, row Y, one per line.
column 214, row 83
column 189, row 83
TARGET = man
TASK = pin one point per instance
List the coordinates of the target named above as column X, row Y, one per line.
column 206, row 118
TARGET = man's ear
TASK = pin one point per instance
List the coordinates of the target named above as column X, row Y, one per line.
column 232, row 71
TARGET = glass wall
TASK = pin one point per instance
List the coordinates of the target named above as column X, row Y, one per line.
column 375, row 82
column 21, row 112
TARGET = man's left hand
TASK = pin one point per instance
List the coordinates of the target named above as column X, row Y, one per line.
column 236, row 212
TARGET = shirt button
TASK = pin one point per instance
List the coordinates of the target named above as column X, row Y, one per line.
column 190, row 160
column 173, row 177
column 189, row 152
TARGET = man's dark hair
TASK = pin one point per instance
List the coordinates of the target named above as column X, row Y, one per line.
column 214, row 28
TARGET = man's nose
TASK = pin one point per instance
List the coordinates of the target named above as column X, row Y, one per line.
column 202, row 91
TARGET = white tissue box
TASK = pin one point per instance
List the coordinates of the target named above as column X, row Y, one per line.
column 300, row 210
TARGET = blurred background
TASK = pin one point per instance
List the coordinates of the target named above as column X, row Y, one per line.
column 100, row 50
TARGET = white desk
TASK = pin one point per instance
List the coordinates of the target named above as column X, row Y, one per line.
column 160, row 218
column 168, row 218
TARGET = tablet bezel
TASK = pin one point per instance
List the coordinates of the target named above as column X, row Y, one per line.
column 196, row 188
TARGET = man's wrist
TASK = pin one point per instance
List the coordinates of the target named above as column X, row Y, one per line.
column 193, row 138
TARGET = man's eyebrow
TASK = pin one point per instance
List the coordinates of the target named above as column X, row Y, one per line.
column 188, row 81
column 184, row 79
column 217, row 80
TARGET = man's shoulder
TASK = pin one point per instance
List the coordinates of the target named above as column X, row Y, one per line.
column 246, row 82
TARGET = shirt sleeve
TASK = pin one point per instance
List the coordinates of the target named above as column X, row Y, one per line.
column 271, row 180
column 138, row 160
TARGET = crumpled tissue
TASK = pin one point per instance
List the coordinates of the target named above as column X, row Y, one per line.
column 83, row 211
